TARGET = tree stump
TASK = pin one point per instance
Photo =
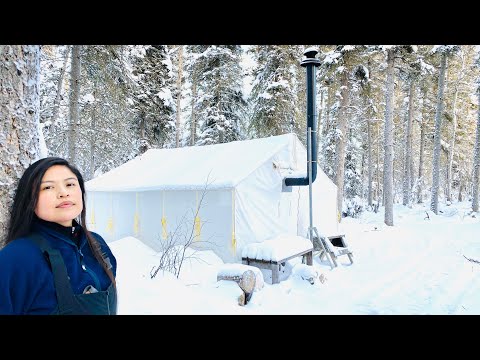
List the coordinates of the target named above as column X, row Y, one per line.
column 246, row 282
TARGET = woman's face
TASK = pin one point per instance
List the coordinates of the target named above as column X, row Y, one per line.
column 60, row 196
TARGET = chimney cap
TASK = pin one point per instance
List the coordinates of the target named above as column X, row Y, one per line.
column 310, row 52
column 310, row 57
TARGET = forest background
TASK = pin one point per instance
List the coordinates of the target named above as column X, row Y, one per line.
column 395, row 124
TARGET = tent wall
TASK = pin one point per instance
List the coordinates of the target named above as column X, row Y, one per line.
column 115, row 215
column 216, row 216
column 111, row 214
column 260, row 206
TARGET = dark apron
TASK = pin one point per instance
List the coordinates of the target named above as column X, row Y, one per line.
column 98, row 303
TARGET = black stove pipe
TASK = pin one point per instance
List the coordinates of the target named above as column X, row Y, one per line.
column 310, row 63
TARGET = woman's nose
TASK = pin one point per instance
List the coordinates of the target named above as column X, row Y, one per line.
column 63, row 192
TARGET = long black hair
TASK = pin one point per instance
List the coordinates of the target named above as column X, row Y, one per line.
column 22, row 213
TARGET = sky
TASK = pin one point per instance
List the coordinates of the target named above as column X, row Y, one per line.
column 421, row 265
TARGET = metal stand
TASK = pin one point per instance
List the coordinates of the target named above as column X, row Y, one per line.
column 311, row 228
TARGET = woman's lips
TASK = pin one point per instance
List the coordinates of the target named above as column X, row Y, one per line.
column 65, row 204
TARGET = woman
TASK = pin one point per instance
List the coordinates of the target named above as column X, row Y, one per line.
column 51, row 263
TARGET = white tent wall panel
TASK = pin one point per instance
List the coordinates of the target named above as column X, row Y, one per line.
column 259, row 211
column 216, row 223
column 111, row 214
column 139, row 214
column 178, row 209
column 289, row 211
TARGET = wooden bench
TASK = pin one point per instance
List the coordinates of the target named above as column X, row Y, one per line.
column 271, row 254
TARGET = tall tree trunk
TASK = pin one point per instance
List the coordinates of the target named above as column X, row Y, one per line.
column 362, row 174
column 58, row 96
column 422, row 149
column 378, row 167
column 451, row 149
column 408, row 148
column 193, row 120
column 454, row 131
column 369, row 155
column 326, row 122
column 143, row 135
column 19, row 125
column 92, row 147
column 342, row 142
column 412, row 173
column 74, row 103
column 476, row 162
column 93, row 139
column 221, row 131
column 388, row 140
column 179, row 95
column 460, row 188
column 437, row 140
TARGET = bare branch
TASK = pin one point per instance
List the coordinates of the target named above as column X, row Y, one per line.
column 174, row 247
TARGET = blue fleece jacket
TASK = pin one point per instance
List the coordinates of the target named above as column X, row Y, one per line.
column 26, row 280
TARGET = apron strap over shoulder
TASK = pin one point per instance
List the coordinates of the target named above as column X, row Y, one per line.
column 65, row 296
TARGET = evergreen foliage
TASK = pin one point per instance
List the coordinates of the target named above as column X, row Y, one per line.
column 127, row 105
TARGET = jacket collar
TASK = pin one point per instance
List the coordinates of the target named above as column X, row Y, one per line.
column 70, row 234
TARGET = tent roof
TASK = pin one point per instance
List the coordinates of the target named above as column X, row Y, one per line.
column 189, row 168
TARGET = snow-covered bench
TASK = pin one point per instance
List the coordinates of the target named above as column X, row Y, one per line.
column 269, row 254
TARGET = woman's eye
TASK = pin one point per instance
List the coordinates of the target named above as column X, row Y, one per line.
column 71, row 184
column 47, row 187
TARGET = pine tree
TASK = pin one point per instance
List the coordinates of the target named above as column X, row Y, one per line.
column 54, row 62
column 274, row 91
column 108, row 139
column 103, row 132
column 388, row 139
column 342, row 64
column 20, row 114
column 445, row 52
column 220, row 105
column 192, row 69
column 153, row 99
column 459, row 118
column 476, row 155
column 73, row 114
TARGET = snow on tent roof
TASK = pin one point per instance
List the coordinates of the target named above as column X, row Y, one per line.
column 188, row 168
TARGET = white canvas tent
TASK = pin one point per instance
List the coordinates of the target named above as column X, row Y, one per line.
column 156, row 195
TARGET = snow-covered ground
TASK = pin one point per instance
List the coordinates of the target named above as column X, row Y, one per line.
column 418, row 266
